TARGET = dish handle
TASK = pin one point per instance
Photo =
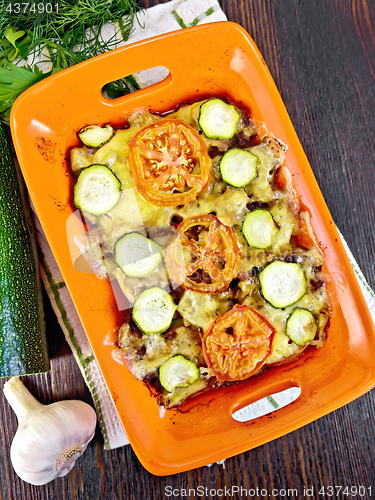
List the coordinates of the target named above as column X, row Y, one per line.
column 177, row 57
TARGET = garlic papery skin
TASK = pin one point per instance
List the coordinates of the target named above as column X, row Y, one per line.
column 49, row 438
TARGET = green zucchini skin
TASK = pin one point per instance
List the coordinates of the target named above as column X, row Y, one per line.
column 23, row 344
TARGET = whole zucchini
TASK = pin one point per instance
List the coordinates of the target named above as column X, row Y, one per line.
column 23, row 345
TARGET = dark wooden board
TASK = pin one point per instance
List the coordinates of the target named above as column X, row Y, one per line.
column 322, row 57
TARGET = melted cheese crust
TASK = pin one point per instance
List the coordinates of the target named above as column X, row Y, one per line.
column 133, row 213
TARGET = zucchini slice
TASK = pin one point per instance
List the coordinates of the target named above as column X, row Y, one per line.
column 153, row 311
column 97, row 190
column 259, row 229
column 238, row 167
column 218, row 120
column 301, row 326
column 94, row 136
column 178, row 372
column 282, row 283
column 136, row 255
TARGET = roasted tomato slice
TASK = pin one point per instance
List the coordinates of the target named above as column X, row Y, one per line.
column 169, row 162
column 284, row 181
column 238, row 343
column 204, row 256
column 306, row 237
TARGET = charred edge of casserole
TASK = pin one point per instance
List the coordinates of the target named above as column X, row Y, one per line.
column 157, row 391
column 306, row 349
column 254, row 205
column 177, row 293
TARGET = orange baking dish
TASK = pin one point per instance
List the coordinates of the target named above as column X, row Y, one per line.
column 211, row 60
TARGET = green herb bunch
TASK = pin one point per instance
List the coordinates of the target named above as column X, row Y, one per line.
column 61, row 32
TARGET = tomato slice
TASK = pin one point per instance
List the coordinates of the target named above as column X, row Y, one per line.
column 169, row 162
column 238, row 343
column 306, row 237
column 205, row 255
column 284, row 181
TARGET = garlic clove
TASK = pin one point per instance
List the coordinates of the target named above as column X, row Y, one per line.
column 49, row 438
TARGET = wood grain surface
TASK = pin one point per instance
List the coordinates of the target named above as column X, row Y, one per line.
column 321, row 55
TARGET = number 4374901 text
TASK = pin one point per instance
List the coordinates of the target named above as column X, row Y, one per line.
column 32, row 8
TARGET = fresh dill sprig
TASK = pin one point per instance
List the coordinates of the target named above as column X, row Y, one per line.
column 64, row 34
column 65, row 16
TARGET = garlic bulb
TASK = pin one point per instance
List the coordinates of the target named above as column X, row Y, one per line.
column 49, row 438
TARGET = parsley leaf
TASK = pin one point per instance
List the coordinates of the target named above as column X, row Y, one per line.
column 12, row 35
column 13, row 81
